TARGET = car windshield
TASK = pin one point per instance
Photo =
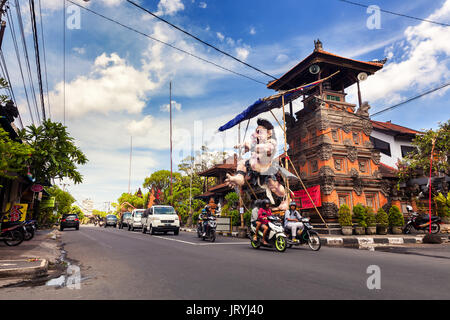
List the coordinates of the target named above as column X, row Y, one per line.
column 70, row 217
column 127, row 215
column 138, row 213
column 111, row 216
column 164, row 210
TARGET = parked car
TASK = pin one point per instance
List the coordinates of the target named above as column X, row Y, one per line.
column 124, row 220
column 70, row 220
column 160, row 219
column 135, row 219
column 111, row 220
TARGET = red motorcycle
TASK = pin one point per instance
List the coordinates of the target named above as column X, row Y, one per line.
column 422, row 222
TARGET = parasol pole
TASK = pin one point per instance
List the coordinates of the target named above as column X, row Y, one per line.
column 286, row 164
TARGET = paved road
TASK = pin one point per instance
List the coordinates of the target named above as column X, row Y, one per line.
column 119, row 264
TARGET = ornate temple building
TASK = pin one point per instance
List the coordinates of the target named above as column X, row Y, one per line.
column 329, row 139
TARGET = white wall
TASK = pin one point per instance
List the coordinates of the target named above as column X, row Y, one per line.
column 396, row 151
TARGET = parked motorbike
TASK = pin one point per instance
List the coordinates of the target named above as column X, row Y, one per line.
column 12, row 235
column 308, row 236
column 422, row 222
column 211, row 226
column 30, row 229
column 275, row 236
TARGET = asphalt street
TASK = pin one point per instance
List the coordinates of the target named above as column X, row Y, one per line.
column 120, row 264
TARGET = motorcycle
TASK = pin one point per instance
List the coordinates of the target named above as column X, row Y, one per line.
column 275, row 237
column 30, row 229
column 12, row 235
column 211, row 226
column 422, row 222
column 308, row 236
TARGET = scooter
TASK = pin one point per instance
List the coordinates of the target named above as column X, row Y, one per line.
column 308, row 236
column 12, row 235
column 422, row 222
column 211, row 226
column 30, row 229
column 276, row 236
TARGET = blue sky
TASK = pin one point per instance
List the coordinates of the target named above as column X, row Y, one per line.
column 117, row 82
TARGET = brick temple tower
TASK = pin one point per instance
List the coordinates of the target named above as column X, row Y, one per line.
column 329, row 138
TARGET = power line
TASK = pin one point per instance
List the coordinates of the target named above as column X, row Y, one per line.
column 200, row 40
column 9, row 88
column 411, row 99
column 16, row 47
column 27, row 60
column 36, row 53
column 397, row 14
column 167, row 44
column 45, row 60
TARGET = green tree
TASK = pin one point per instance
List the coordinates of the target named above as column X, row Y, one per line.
column 77, row 210
column 132, row 199
column 55, row 155
column 14, row 156
column 63, row 199
column 359, row 212
column 370, row 217
column 418, row 163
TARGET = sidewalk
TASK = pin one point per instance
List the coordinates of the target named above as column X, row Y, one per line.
column 30, row 259
column 360, row 241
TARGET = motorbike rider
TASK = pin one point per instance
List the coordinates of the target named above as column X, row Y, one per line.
column 262, row 223
column 206, row 213
column 292, row 221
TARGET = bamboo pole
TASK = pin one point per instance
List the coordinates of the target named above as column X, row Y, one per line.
column 286, row 164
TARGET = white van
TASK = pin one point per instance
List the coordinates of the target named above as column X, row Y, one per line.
column 160, row 219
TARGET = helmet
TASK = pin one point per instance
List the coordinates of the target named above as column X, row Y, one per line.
column 203, row 210
column 258, row 203
column 207, row 208
column 293, row 204
column 265, row 202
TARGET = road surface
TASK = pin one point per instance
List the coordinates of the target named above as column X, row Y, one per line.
column 120, row 264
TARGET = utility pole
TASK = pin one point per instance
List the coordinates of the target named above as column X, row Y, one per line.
column 129, row 170
column 2, row 23
column 171, row 173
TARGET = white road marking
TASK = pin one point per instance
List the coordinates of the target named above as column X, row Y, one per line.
column 201, row 244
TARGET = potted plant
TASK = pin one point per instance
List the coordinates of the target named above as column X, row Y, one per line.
column 382, row 221
column 345, row 220
column 396, row 220
column 359, row 212
column 443, row 207
column 371, row 222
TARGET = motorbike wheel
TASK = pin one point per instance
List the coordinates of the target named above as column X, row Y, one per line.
column 314, row 241
column 13, row 238
column 213, row 236
column 29, row 235
column 435, row 228
column 255, row 244
column 280, row 244
column 407, row 229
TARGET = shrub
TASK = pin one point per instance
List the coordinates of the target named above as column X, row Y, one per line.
column 344, row 216
column 359, row 212
column 247, row 217
column 195, row 217
column 370, row 217
column 396, row 217
column 382, row 218
column 235, row 218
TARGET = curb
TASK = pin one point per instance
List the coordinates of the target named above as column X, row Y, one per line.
column 368, row 241
column 25, row 271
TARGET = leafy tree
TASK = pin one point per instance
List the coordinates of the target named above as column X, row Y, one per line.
column 77, row 210
column 443, row 204
column 55, row 155
column 13, row 156
column 370, row 217
column 418, row 163
column 64, row 199
column 232, row 199
column 132, row 199
column 101, row 214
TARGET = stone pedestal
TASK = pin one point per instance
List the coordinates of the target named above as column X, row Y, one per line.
column 242, row 232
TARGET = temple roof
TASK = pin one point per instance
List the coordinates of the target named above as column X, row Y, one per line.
column 328, row 63
column 393, row 129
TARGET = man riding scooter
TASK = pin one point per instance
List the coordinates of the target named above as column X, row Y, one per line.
column 292, row 221
column 206, row 213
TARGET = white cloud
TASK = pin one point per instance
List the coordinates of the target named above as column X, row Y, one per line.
column 112, row 85
column 220, row 36
column 175, row 106
column 242, row 53
column 169, row 7
column 202, row 5
column 79, row 50
column 252, row 31
column 421, row 61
